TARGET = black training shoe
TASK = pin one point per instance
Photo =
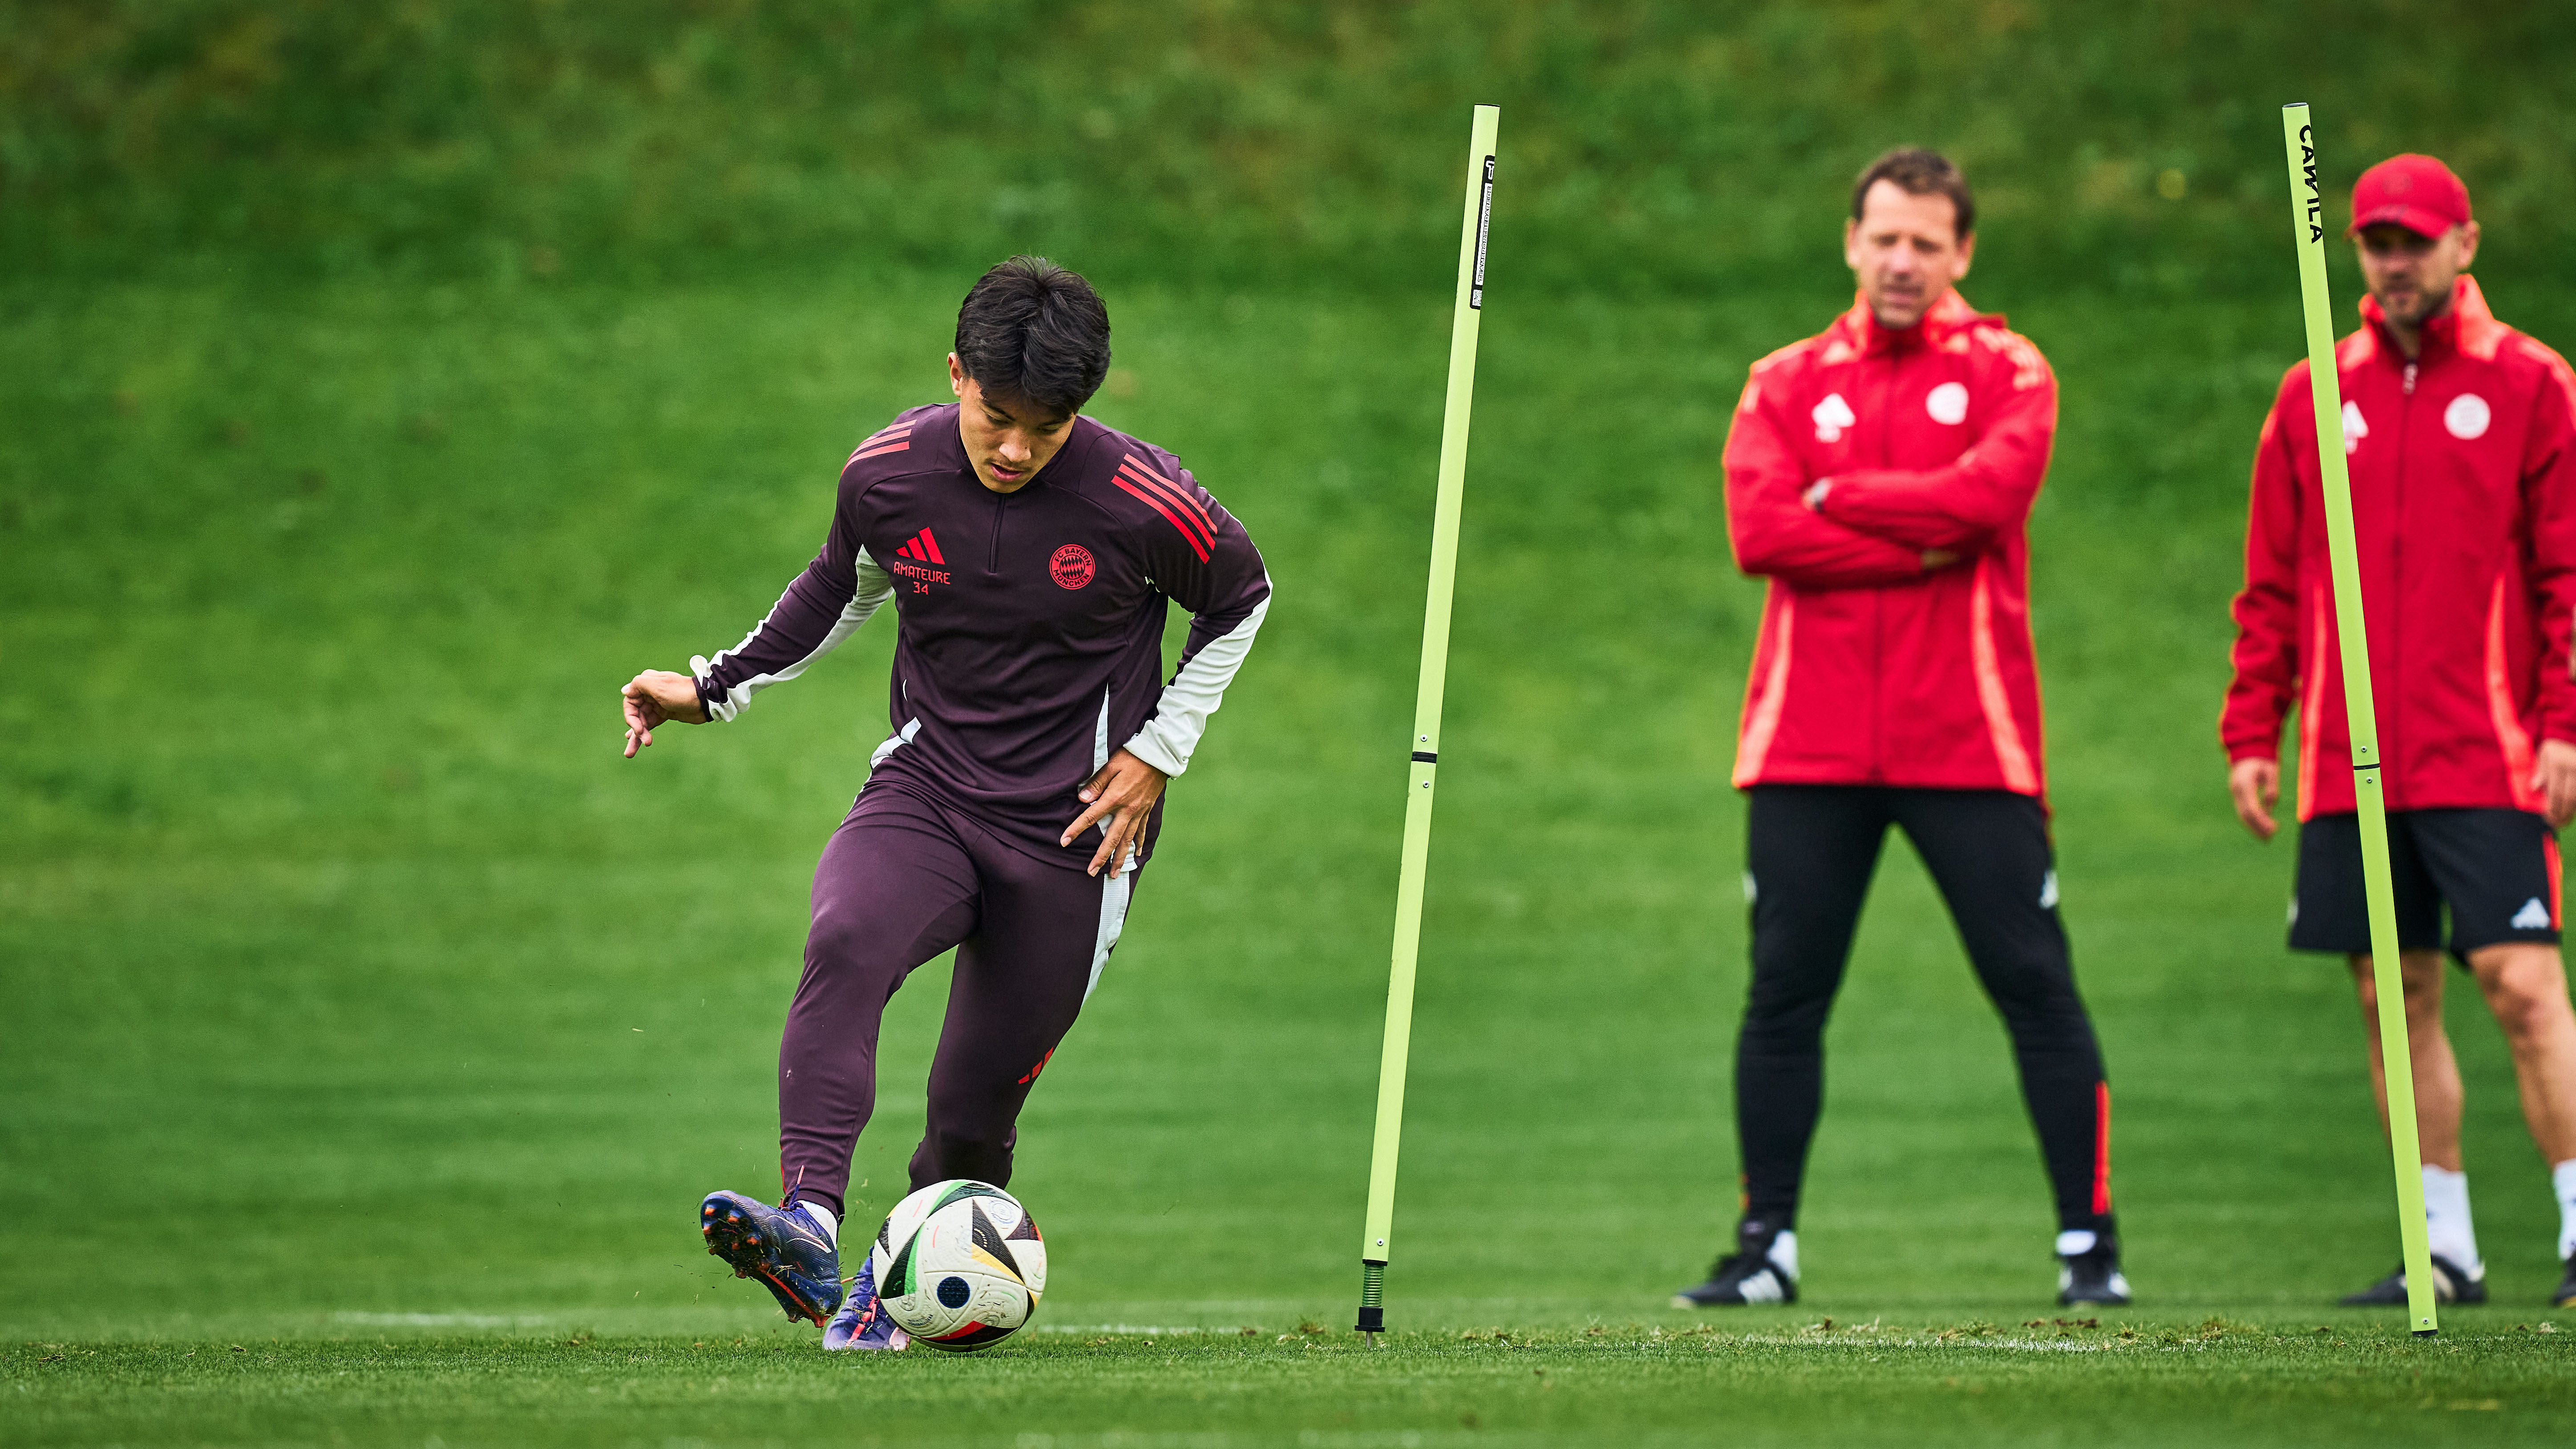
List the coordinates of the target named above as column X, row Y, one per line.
column 1762, row 1269
column 786, row 1250
column 2565, row 1297
column 2093, row 1276
column 2450, row 1285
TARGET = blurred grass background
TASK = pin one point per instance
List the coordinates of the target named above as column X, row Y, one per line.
column 1654, row 146
column 380, row 386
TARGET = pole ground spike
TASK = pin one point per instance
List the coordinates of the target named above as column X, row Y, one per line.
column 1372, row 1310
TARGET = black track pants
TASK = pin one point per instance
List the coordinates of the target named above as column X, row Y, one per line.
column 1810, row 855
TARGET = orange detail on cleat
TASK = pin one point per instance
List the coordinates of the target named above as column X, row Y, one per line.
column 819, row 1320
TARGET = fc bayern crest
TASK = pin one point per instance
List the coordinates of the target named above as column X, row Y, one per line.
column 1071, row 567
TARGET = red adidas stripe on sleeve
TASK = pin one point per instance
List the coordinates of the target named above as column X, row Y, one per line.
column 1158, row 506
column 1146, row 474
column 894, row 439
column 1169, row 500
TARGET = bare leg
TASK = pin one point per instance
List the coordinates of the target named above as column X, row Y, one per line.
column 2526, row 987
column 2437, row 1072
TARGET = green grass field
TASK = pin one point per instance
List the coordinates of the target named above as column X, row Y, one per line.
column 1776, row 1381
column 373, row 1027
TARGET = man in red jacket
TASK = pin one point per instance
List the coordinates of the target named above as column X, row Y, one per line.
column 1879, row 474
column 2460, row 434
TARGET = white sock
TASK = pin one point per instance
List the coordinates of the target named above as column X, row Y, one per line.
column 2446, row 1216
column 2563, row 1178
column 831, row 1225
column 2076, row 1242
column 1784, row 1249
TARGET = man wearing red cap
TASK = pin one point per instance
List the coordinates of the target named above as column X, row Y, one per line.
column 2460, row 434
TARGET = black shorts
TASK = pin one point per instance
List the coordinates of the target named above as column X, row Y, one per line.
column 2497, row 871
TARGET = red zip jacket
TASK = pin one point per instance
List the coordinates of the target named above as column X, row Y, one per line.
column 1872, row 670
column 2464, row 513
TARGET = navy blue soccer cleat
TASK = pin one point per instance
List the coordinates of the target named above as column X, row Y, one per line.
column 786, row 1250
column 863, row 1322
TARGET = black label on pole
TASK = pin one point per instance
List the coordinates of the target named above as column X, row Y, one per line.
column 2308, row 171
column 1484, row 219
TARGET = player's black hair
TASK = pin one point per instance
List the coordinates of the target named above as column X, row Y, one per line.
column 1033, row 331
column 1920, row 173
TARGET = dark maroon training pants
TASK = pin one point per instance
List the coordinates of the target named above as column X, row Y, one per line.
column 903, row 880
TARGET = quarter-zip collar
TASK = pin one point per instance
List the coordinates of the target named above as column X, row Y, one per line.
column 1857, row 333
column 2466, row 326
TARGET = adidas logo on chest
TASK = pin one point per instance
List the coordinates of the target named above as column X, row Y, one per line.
column 919, row 563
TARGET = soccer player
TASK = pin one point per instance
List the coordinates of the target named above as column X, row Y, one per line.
column 2458, row 432
column 1879, row 475
column 1029, row 552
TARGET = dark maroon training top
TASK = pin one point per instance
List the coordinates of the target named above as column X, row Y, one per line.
column 1030, row 644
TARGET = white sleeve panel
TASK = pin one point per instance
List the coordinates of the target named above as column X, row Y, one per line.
column 1169, row 738
column 875, row 586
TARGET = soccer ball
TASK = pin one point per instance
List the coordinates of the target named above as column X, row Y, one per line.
column 959, row 1265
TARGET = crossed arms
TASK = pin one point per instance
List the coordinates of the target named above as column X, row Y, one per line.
column 1876, row 526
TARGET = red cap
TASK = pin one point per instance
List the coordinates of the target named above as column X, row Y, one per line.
column 2416, row 192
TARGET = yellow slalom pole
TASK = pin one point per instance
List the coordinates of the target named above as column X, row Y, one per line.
column 2307, row 220
column 1468, row 314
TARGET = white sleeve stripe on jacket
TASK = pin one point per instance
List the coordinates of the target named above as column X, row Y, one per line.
column 875, row 586
column 1168, row 739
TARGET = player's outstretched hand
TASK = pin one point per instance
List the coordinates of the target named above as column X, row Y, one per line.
column 657, row 695
column 2553, row 779
column 2256, row 786
column 1123, row 794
